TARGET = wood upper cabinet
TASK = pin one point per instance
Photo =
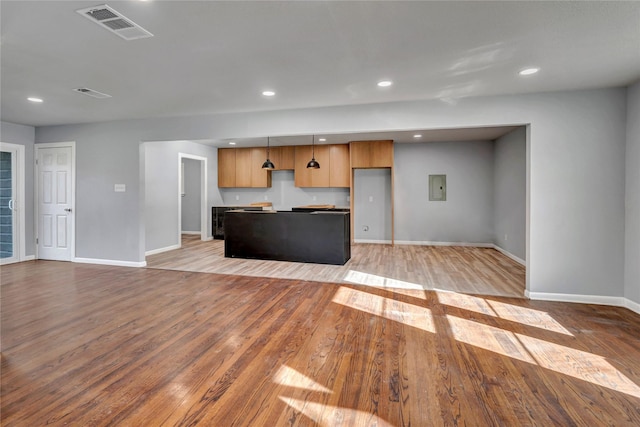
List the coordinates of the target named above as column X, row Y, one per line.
column 226, row 167
column 283, row 157
column 371, row 154
column 339, row 164
column 242, row 167
column 334, row 166
column 259, row 177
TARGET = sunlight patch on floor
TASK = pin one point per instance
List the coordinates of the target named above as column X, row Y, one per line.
column 561, row 359
column 367, row 279
column 564, row 360
column 513, row 313
column 290, row 377
column 398, row 311
column 327, row 415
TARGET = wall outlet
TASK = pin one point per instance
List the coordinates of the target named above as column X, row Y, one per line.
column 266, row 197
column 314, row 198
column 370, row 198
column 237, row 197
column 506, row 236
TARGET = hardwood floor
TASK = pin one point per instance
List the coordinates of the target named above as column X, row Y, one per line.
column 461, row 269
column 91, row 345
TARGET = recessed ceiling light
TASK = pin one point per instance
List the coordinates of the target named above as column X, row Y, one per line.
column 417, row 135
column 33, row 99
column 232, row 143
column 385, row 83
column 322, row 139
column 268, row 93
column 529, row 71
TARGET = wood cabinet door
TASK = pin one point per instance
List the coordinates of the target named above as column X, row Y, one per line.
column 274, row 155
column 302, row 175
column 371, row 154
column 226, row 167
column 360, row 154
column 381, row 154
column 243, row 167
column 287, row 158
column 339, row 163
column 320, row 177
column 259, row 177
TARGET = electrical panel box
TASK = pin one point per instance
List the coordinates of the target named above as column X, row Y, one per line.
column 437, row 188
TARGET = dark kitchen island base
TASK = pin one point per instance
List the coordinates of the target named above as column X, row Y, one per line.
column 318, row 237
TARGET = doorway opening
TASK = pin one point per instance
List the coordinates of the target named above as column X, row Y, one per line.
column 192, row 195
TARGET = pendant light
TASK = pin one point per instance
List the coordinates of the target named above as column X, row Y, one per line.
column 268, row 164
column 312, row 163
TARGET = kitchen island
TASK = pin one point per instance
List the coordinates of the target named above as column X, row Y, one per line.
column 321, row 237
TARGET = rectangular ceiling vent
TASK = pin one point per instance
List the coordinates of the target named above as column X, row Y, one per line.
column 91, row 92
column 109, row 18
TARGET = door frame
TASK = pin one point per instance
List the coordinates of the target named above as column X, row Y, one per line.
column 19, row 250
column 203, row 195
column 36, row 189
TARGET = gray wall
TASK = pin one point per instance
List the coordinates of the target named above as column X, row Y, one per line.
column 467, row 214
column 632, row 212
column 283, row 194
column 191, row 199
column 24, row 135
column 161, row 189
column 572, row 134
column 510, row 191
column 372, row 199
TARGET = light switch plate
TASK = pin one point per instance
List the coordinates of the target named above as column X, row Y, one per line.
column 119, row 188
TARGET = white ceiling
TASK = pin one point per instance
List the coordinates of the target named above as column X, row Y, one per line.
column 214, row 57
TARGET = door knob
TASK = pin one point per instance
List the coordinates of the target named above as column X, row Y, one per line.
column 67, row 210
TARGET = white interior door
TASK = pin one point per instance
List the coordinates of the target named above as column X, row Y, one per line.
column 9, row 204
column 55, row 202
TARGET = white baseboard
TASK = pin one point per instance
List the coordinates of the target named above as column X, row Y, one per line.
column 28, row 258
column 191, row 232
column 632, row 305
column 582, row 299
column 110, row 262
column 429, row 243
column 585, row 299
column 510, row 255
column 165, row 249
column 383, row 242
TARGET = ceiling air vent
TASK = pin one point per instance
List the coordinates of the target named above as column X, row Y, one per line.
column 115, row 22
column 91, row 92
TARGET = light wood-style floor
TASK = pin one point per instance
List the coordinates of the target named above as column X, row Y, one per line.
column 469, row 270
column 91, row 345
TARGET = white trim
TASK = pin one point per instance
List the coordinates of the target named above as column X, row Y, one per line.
column 191, row 232
column 575, row 298
column 161, row 250
column 382, row 242
column 113, row 262
column 15, row 261
column 510, row 255
column 203, row 195
column 430, row 243
column 36, row 193
column 20, row 251
column 632, row 305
